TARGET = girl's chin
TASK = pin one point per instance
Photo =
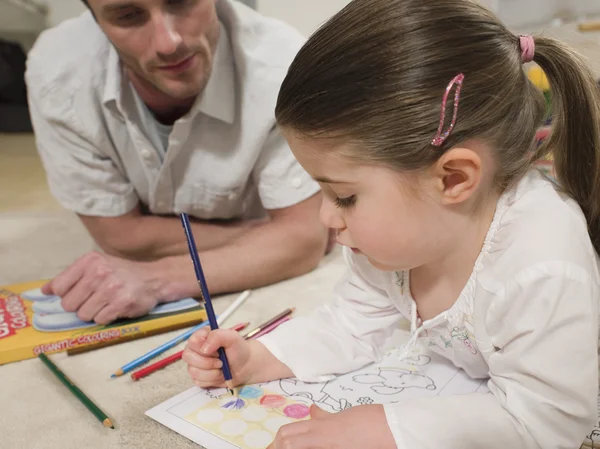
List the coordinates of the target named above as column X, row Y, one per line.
column 381, row 266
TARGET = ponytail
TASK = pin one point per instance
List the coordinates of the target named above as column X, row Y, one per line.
column 575, row 137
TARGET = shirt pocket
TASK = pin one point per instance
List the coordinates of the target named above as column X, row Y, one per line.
column 212, row 201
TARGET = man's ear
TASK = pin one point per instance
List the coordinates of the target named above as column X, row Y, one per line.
column 457, row 175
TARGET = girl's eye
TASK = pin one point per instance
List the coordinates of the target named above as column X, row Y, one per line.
column 343, row 203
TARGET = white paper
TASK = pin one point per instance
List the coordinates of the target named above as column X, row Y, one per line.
column 421, row 374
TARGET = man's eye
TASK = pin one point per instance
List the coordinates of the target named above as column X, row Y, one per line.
column 129, row 17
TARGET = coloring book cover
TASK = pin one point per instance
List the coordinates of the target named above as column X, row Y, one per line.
column 31, row 323
column 216, row 420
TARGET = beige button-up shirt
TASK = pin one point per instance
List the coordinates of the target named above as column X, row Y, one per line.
column 103, row 151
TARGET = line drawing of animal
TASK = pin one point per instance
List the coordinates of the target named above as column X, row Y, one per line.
column 340, row 394
column 313, row 393
column 394, row 381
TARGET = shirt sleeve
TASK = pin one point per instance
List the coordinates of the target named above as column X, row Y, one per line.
column 352, row 330
column 543, row 373
column 281, row 180
column 80, row 176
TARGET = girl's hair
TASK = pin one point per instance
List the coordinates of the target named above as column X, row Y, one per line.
column 374, row 75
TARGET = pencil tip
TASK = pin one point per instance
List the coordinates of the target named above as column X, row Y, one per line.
column 108, row 423
column 230, row 389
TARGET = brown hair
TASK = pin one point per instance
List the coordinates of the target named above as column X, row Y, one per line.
column 373, row 77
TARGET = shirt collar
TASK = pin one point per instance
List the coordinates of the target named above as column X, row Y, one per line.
column 217, row 100
column 113, row 87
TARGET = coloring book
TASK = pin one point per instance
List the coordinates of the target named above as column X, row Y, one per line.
column 216, row 420
column 31, row 322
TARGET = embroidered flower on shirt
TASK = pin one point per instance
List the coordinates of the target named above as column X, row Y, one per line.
column 447, row 341
column 462, row 334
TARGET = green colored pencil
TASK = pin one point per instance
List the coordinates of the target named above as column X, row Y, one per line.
column 105, row 420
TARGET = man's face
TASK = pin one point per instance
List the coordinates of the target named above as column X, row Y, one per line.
column 166, row 45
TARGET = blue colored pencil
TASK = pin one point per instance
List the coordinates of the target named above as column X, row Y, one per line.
column 185, row 221
column 162, row 348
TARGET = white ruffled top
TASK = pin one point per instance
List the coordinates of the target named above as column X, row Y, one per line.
column 527, row 318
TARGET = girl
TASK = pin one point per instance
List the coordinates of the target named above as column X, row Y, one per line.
column 419, row 122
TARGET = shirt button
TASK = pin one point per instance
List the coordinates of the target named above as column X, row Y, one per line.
column 89, row 202
column 296, row 183
column 232, row 196
column 146, row 154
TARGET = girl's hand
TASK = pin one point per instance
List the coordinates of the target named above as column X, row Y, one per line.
column 361, row 427
column 204, row 366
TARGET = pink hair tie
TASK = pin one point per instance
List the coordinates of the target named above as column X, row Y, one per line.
column 527, row 45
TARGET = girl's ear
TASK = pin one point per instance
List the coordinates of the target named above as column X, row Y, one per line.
column 457, row 175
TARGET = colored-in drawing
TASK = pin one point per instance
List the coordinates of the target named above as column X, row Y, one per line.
column 250, row 422
column 250, row 392
column 233, row 404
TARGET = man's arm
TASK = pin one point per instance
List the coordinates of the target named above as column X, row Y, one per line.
column 138, row 236
column 291, row 243
column 103, row 288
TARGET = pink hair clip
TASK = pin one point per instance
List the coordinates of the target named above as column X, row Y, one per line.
column 440, row 137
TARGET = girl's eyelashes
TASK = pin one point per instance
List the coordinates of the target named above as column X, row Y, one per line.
column 345, row 202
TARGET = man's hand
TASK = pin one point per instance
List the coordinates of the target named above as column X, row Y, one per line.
column 103, row 288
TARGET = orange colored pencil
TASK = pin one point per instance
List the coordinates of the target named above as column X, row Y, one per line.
column 172, row 359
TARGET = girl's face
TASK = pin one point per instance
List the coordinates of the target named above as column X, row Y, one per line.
column 396, row 220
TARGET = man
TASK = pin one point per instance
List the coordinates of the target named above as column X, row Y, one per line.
column 144, row 109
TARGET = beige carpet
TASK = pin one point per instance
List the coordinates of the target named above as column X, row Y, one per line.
column 38, row 239
column 37, row 412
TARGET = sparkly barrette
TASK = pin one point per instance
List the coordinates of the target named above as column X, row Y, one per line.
column 440, row 137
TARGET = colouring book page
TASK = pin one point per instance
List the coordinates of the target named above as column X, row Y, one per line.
column 216, row 420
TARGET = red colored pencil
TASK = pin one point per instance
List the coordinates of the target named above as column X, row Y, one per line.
column 272, row 326
column 172, row 359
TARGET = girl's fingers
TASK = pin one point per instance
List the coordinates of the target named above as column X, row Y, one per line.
column 210, row 378
column 200, row 361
